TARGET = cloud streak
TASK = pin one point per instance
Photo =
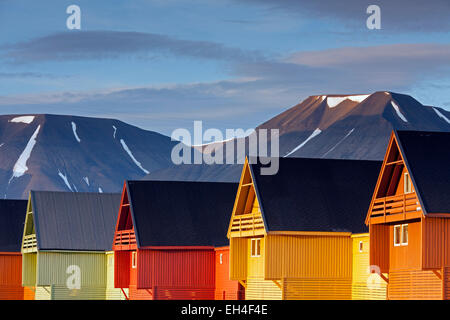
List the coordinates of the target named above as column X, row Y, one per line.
column 98, row 45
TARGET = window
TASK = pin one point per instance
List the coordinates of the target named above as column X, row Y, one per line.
column 256, row 248
column 407, row 183
column 401, row 235
column 221, row 258
column 361, row 246
column 133, row 259
column 404, row 235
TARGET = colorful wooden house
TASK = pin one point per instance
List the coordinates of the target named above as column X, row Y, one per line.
column 409, row 216
column 67, row 245
column 12, row 214
column 166, row 236
column 290, row 233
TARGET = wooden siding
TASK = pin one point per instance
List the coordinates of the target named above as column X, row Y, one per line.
column 255, row 265
column 367, row 284
column 122, row 265
column 415, row 285
column 175, row 268
column 317, row 289
column 308, row 257
column 238, row 258
column 260, row 289
column 225, row 289
column 436, row 243
column 29, row 267
column 43, row 293
column 406, row 257
column 112, row 293
column 11, row 276
column 52, row 266
column 379, row 245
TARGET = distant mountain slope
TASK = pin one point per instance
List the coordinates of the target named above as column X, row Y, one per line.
column 334, row 126
column 52, row 152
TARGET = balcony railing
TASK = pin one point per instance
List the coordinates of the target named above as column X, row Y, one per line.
column 29, row 243
column 394, row 205
column 124, row 238
column 247, row 222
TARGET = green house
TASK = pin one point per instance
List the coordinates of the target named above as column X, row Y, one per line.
column 67, row 245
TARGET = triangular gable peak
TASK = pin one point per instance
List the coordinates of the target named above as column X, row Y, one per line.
column 29, row 242
column 246, row 219
column 395, row 197
column 124, row 237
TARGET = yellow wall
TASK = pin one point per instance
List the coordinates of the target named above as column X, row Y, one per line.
column 365, row 285
column 238, row 258
column 308, row 256
column 255, row 265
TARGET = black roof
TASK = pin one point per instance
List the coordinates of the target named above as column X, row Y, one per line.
column 316, row 194
column 181, row 213
column 75, row 220
column 12, row 218
column 427, row 157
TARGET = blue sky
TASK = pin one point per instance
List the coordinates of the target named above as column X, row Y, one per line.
column 231, row 63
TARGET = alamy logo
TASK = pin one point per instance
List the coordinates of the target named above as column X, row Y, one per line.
column 74, row 280
column 211, row 147
column 74, row 20
column 374, row 20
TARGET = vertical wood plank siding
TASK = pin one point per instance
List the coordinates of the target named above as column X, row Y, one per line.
column 225, row 289
column 52, row 266
column 112, row 293
column 436, row 243
column 365, row 285
column 122, row 265
column 176, row 268
column 11, row 277
column 29, row 267
column 238, row 258
column 379, row 244
column 308, row 257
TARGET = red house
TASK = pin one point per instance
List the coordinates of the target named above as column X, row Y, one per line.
column 165, row 239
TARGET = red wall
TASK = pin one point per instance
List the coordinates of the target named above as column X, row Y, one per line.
column 226, row 289
column 176, row 268
column 11, row 276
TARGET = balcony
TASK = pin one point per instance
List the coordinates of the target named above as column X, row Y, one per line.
column 249, row 224
column 125, row 240
column 396, row 208
column 29, row 243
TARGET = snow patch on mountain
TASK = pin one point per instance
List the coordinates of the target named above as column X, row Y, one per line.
column 66, row 181
column 114, row 133
column 125, row 147
column 399, row 113
column 22, row 119
column 86, row 179
column 74, row 129
column 334, row 101
column 314, row 134
column 20, row 167
column 437, row 112
column 100, row 190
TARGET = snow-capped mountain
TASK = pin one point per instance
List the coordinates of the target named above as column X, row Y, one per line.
column 332, row 126
column 53, row 152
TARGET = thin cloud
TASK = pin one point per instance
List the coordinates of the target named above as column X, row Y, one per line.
column 98, row 45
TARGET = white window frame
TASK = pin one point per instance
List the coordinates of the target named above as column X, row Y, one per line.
column 400, row 241
column 407, row 235
column 361, row 246
column 407, row 182
column 257, row 249
column 133, row 259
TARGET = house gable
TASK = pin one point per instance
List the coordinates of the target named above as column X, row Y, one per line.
column 29, row 241
column 246, row 219
column 125, row 237
column 390, row 202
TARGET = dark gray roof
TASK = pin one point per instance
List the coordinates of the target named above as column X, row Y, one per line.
column 316, row 194
column 427, row 157
column 181, row 213
column 75, row 221
column 12, row 218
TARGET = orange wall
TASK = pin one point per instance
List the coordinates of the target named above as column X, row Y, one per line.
column 11, row 276
column 436, row 242
column 406, row 257
column 225, row 288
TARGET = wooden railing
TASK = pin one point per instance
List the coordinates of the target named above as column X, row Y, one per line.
column 124, row 237
column 29, row 243
column 401, row 204
column 247, row 222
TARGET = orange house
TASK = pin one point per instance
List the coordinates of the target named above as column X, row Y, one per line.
column 12, row 215
column 409, row 216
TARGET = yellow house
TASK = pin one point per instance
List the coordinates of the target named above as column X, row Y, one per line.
column 67, row 246
column 290, row 233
